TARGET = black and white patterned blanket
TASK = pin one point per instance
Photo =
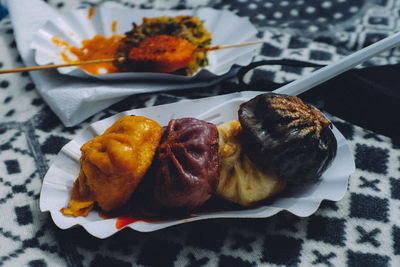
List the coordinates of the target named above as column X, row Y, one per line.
column 362, row 229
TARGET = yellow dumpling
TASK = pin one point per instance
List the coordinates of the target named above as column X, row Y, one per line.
column 242, row 181
column 113, row 164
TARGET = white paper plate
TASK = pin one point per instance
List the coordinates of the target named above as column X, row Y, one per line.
column 59, row 179
column 75, row 26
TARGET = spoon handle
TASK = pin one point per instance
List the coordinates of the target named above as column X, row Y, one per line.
column 321, row 75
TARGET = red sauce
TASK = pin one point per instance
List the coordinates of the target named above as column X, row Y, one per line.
column 122, row 222
column 135, row 213
column 125, row 218
column 99, row 47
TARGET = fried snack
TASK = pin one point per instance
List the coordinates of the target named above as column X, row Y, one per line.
column 189, row 28
column 187, row 171
column 242, row 181
column 287, row 136
column 113, row 164
column 160, row 53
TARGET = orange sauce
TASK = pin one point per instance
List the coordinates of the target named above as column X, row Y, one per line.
column 99, row 47
column 58, row 42
column 114, row 26
column 91, row 12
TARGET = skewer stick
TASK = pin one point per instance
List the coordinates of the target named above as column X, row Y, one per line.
column 46, row 67
column 321, row 75
column 217, row 47
column 109, row 60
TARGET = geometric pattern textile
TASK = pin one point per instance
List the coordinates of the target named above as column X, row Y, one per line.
column 362, row 229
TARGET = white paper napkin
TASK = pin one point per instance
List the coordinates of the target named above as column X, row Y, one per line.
column 72, row 99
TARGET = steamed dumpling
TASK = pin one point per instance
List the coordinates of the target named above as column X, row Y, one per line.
column 187, row 170
column 242, row 181
column 113, row 164
column 287, row 136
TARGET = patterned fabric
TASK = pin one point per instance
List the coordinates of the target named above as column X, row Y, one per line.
column 363, row 229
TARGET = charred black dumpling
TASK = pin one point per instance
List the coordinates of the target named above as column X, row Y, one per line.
column 284, row 134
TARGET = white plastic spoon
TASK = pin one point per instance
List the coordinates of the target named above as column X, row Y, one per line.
column 319, row 76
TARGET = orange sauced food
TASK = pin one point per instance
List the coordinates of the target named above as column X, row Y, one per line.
column 165, row 44
column 190, row 28
column 113, row 164
column 161, row 53
column 99, row 47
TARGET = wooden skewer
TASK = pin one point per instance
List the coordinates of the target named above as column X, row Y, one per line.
column 46, row 67
column 217, row 47
column 109, row 60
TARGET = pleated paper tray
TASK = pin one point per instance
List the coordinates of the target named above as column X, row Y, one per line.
column 302, row 202
column 76, row 26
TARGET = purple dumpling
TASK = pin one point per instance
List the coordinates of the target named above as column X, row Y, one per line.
column 187, row 169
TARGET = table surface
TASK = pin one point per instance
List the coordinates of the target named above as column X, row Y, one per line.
column 362, row 229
